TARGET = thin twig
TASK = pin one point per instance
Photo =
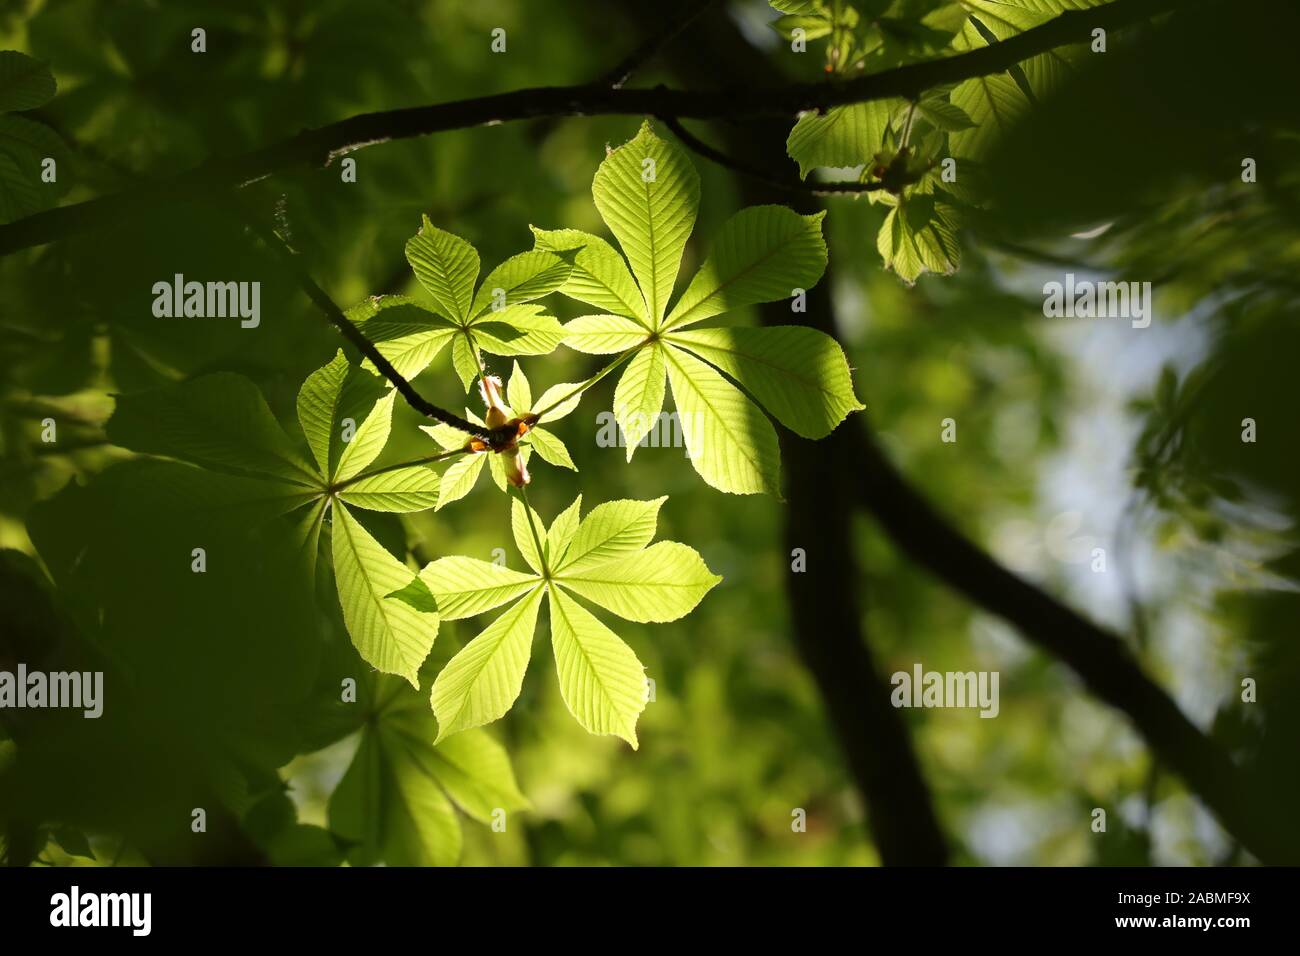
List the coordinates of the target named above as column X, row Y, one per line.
column 697, row 145
column 616, row 77
column 396, row 466
column 276, row 244
column 539, row 415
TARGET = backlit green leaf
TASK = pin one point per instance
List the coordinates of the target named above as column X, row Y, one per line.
column 521, row 278
column 562, row 531
column 648, row 193
column 446, row 266
column 524, row 533
column 391, row 809
column 458, row 479
column 389, row 634
column 475, row 772
column 463, row 360
column 843, row 137
column 518, row 330
column 640, row 395
column 369, row 440
column 483, row 680
column 799, row 374
column 761, row 254
column 611, row 530
column 599, row 277
column 407, row 333
column 603, row 334
column 731, row 443
column 602, row 682
column 401, row 490
column 920, row 235
column 661, row 583
column 463, row 586
column 550, row 449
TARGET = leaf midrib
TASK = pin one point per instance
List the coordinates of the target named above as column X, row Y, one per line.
column 743, row 446
column 573, row 633
column 814, row 383
column 673, row 323
column 515, row 609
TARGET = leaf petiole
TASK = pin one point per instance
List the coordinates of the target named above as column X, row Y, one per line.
column 622, row 357
column 537, row 541
column 425, row 460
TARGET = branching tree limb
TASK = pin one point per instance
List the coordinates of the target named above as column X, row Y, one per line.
column 318, row 146
column 826, row 600
column 335, row 315
column 899, row 803
column 1099, row 657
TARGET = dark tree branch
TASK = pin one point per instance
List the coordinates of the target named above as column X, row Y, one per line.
column 826, row 620
column 829, row 636
column 317, row 146
column 826, row 626
column 1099, row 657
column 335, row 315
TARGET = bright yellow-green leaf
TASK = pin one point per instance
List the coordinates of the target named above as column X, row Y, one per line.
column 389, row 634
column 401, row 490
column 370, row 438
column 562, row 531
column 521, row 278
column 463, row 587
column 599, row 275
column 648, row 193
column 799, row 374
column 446, row 266
column 603, row 334
column 463, row 360
column 602, row 682
column 730, row 441
column 843, row 136
column 524, row 533
column 550, row 449
column 518, row 392
column 640, row 395
column 611, row 530
column 483, row 680
column 518, row 330
column 761, row 254
column 660, row 583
